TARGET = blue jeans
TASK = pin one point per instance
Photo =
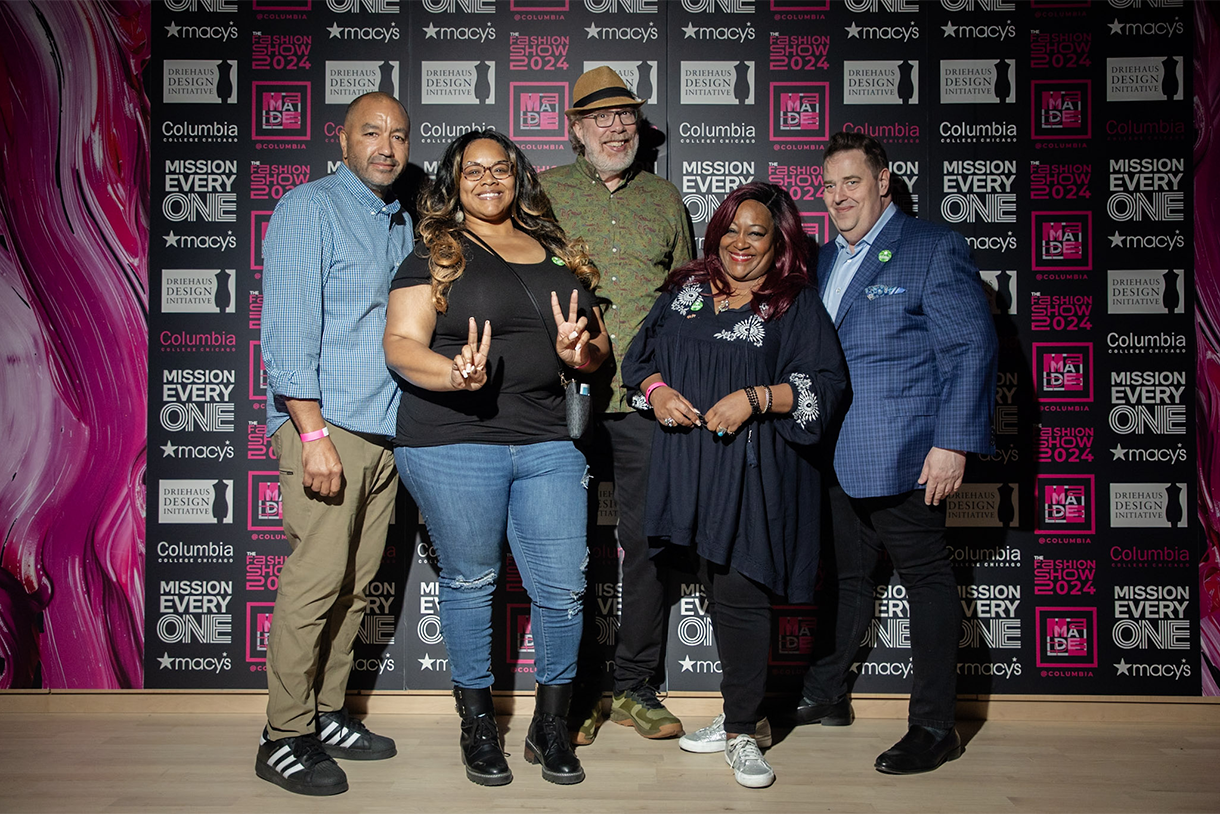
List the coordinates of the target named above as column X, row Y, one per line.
column 471, row 496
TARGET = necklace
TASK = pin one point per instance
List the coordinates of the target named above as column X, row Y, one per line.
column 726, row 303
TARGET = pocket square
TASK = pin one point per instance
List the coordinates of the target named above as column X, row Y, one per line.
column 875, row 291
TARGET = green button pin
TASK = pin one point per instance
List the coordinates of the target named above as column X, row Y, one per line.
column 697, row 305
column 884, row 255
column 557, row 261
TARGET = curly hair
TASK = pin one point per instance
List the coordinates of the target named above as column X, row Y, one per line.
column 787, row 275
column 441, row 218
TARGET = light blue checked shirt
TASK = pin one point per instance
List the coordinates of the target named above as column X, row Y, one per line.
column 331, row 249
column 847, row 263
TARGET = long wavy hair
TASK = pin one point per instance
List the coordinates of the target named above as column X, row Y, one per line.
column 441, row 218
column 788, row 273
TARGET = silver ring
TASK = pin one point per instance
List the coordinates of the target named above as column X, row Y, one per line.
column 669, row 422
column 721, row 431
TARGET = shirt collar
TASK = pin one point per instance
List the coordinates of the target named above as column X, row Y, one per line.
column 587, row 169
column 352, row 183
column 868, row 239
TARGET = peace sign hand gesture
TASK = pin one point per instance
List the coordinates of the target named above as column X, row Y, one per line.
column 469, row 371
column 571, row 340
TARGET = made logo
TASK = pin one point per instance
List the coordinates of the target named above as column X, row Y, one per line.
column 520, row 635
column 793, row 628
column 977, row 81
column 713, row 82
column 1062, row 241
column 1063, row 371
column 1145, row 291
column 799, row 111
column 1067, row 637
column 1148, row 505
column 881, row 82
column 259, row 221
column 536, row 111
column 195, row 501
column 258, row 373
column 265, row 509
column 199, row 81
column 348, row 79
column 258, row 631
column 1144, row 79
column 1062, row 109
column 458, row 82
column 281, row 111
column 1065, row 504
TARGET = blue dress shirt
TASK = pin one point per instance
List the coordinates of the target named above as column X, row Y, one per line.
column 847, row 263
column 331, row 249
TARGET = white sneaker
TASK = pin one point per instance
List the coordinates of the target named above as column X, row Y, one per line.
column 750, row 768
column 711, row 738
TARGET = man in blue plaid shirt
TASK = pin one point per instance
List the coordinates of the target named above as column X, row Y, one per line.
column 331, row 249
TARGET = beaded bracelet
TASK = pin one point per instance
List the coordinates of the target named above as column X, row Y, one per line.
column 752, row 395
column 767, row 387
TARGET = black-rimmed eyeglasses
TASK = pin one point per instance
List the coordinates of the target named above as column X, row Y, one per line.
column 605, row 118
column 475, row 172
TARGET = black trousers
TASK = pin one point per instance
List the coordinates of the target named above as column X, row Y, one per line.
column 741, row 617
column 621, row 451
column 913, row 534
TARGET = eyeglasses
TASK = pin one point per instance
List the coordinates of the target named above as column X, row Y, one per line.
column 475, row 172
column 605, row 118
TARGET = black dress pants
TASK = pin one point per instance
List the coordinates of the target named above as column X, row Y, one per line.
column 741, row 617
column 913, row 534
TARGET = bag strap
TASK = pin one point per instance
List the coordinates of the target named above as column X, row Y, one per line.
column 563, row 378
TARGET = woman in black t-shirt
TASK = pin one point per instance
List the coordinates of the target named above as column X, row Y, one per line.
column 482, row 442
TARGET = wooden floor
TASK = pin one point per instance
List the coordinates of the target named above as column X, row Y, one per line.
column 202, row 763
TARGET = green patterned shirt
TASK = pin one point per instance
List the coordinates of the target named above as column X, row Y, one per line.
column 636, row 234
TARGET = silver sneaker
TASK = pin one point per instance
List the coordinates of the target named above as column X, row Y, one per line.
column 711, row 738
column 750, row 768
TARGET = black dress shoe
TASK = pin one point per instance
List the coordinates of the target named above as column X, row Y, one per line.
column 838, row 713
column 920, row 750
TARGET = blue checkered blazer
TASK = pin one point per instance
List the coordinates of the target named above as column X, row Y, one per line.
column 921, row 353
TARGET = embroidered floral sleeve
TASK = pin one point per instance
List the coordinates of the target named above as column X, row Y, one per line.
column 750, row 329
column 805, row 401
column 687, row 297
column 638, row 402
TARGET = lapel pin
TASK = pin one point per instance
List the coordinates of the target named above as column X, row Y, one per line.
column 697, row 305
column 884, row 255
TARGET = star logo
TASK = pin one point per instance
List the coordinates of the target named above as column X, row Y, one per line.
column 1116, row 27
column 1115, row 240
column 1124, row 669
column 690, row 30
column 855, row 667
column 334, row 30
column 853, row 30
column 950, row 29
column 166, row 662
column 171, row 239
column 594, row 32
column 427, row 663
column 173, row 28
column 168, row 449
column 1120, row 454
column 688, row 665
column 431, row 31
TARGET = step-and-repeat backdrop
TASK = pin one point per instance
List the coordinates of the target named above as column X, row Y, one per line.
column 1055, row 136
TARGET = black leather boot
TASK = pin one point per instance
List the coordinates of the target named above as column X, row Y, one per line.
column 482, row 754
column 548, row 742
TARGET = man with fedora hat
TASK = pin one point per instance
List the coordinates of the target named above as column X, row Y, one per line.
column 637, row 230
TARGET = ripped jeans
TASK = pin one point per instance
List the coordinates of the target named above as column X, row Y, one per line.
column 472, row 496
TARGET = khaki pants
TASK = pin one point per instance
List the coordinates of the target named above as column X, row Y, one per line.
column 337, row 545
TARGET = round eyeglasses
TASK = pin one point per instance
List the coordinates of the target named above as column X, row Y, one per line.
column 605, row 118
column 475, row 172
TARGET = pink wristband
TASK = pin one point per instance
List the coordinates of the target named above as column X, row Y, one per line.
column 582, row 367
column 316, row 435
column 651, row 387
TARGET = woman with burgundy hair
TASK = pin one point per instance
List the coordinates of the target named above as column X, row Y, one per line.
column 741, row 367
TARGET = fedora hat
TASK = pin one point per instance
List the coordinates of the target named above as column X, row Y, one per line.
column 601, row 87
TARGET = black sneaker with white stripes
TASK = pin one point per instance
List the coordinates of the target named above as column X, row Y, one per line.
column 300, row 765
column 346, row 738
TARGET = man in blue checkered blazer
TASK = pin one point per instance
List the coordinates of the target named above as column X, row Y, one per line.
column 921, row 348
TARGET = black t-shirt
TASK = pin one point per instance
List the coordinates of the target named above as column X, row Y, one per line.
column 522, row 401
